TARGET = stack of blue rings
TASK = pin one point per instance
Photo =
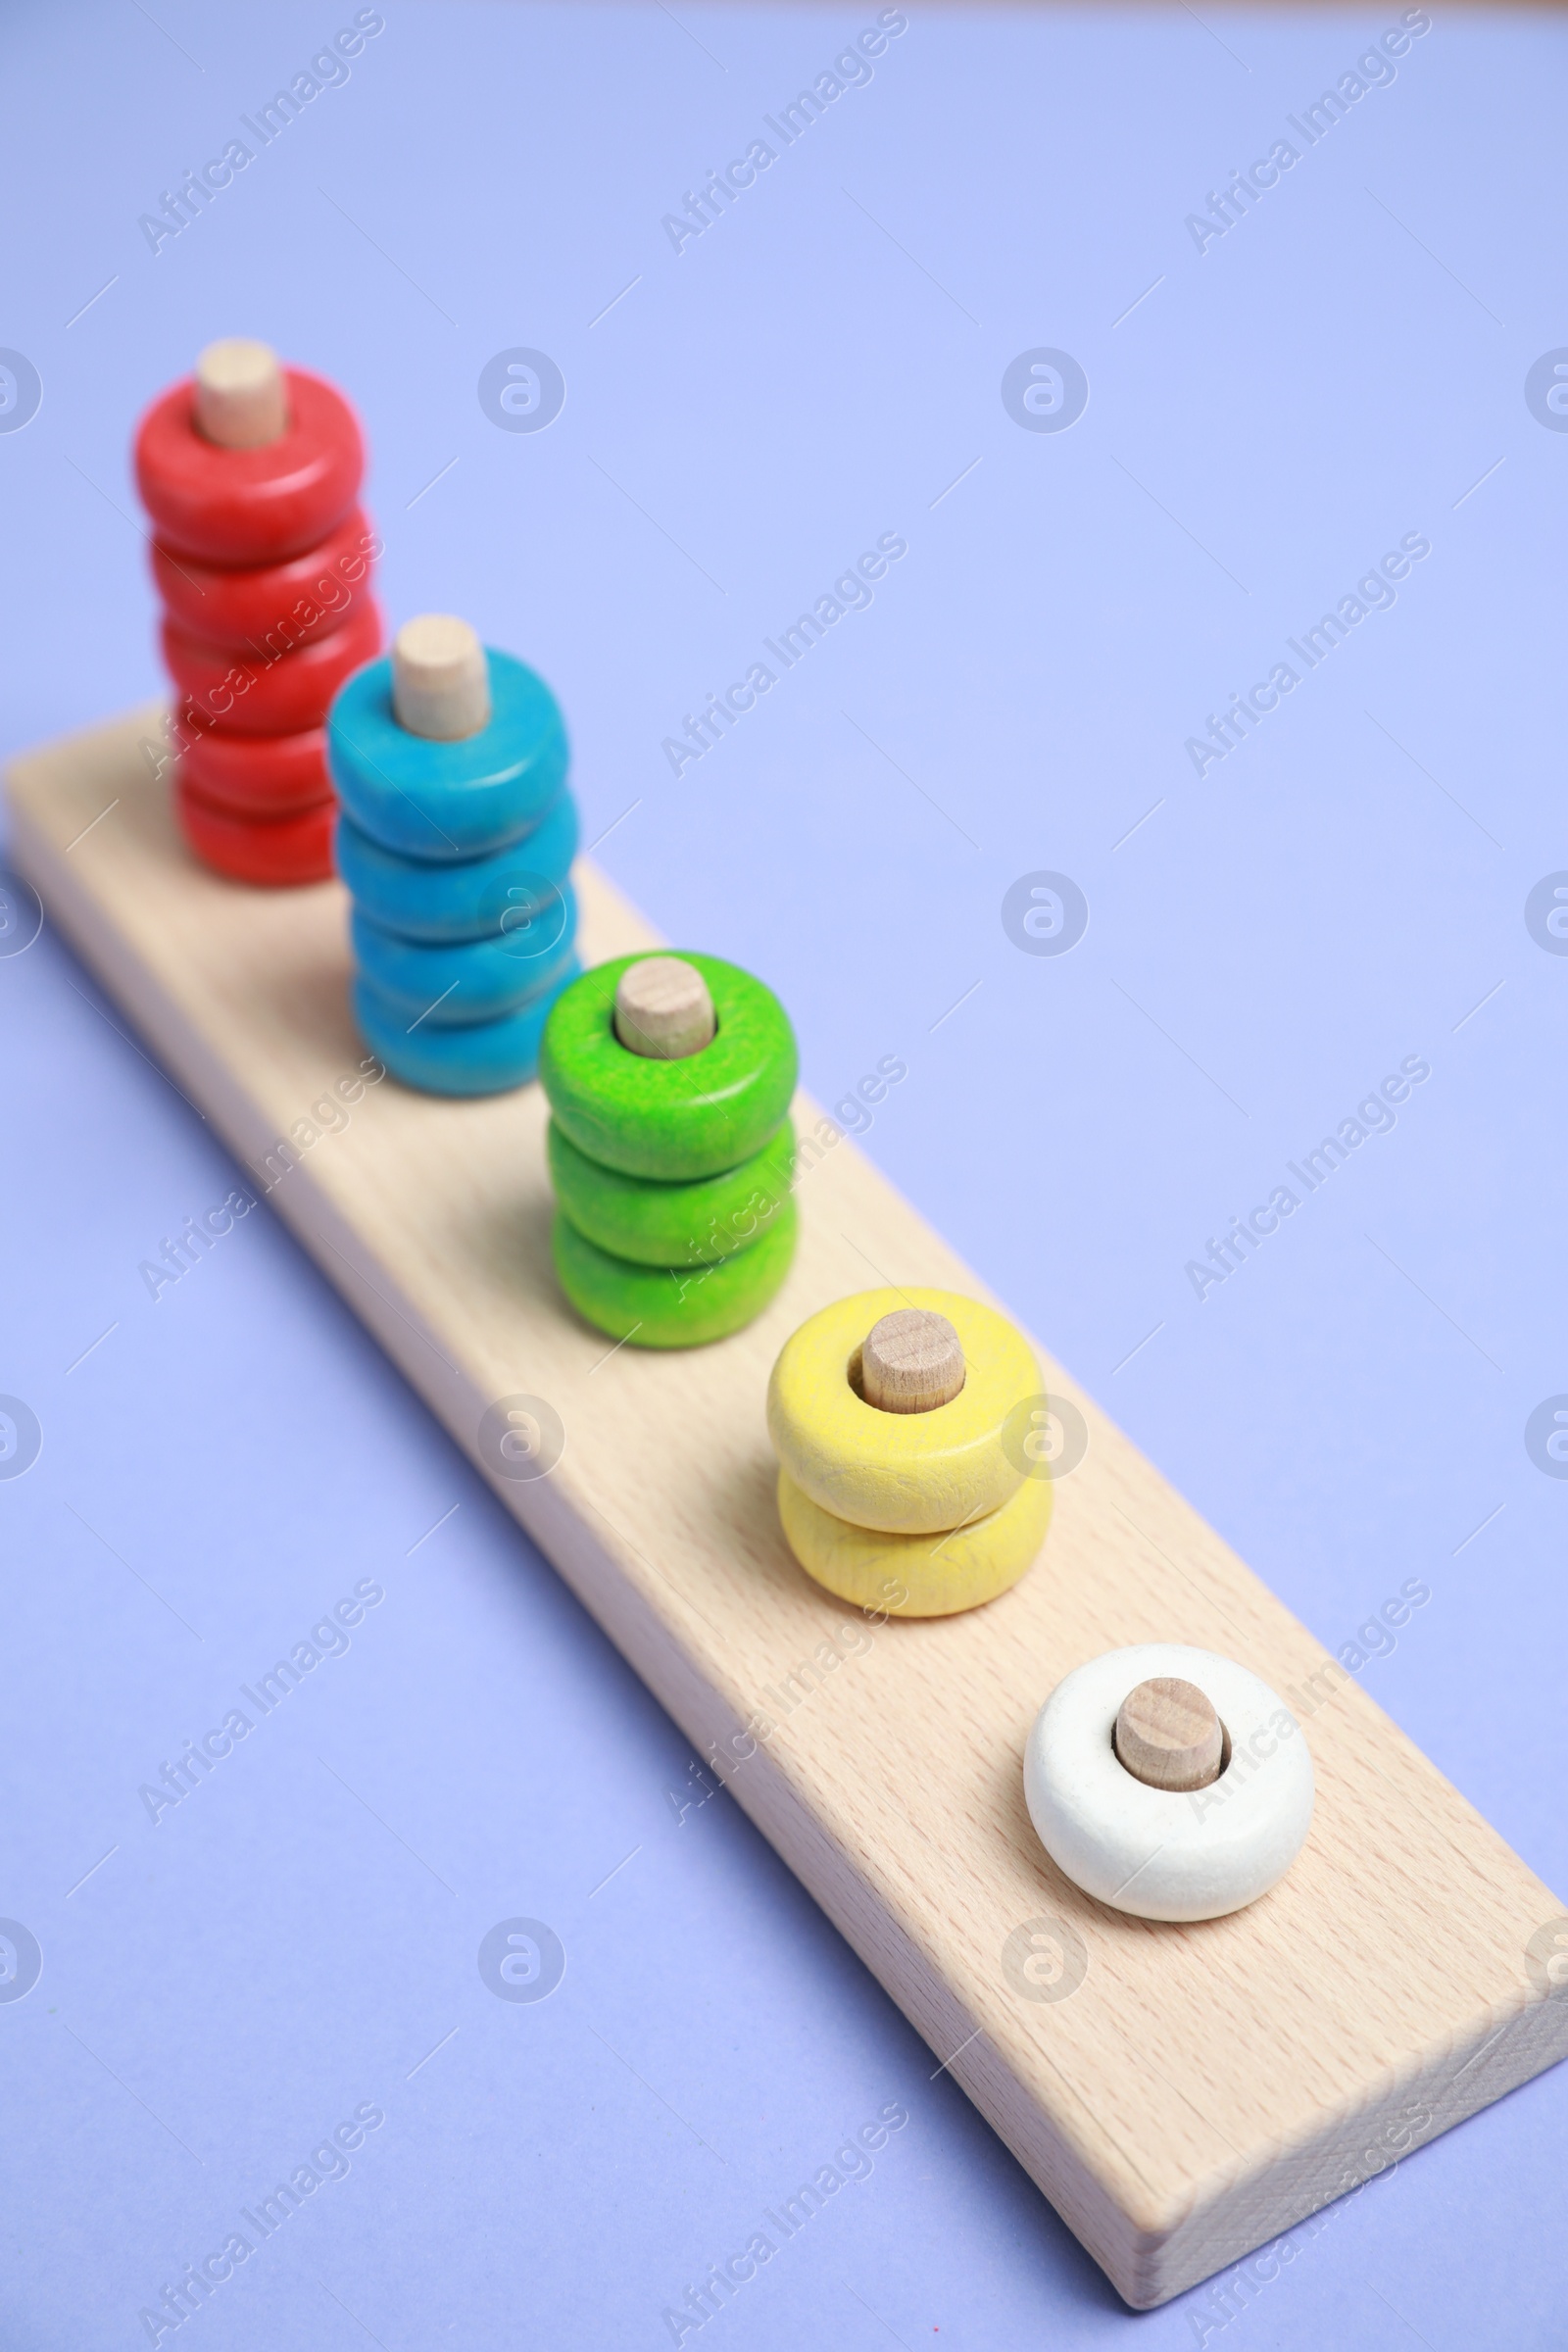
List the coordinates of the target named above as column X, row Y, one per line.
column 456, row 857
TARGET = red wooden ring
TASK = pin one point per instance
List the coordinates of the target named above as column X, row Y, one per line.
column 259, row 775
column 275, row 852
column 267, row 606
column 235, row 695
column 250, row 506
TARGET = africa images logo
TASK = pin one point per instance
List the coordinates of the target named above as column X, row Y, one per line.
column 1546, row 390
column 21, row 1960
column 1546, row 1437
column 1045, row 913
column 1045, row 390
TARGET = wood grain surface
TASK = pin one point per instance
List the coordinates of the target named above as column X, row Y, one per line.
column 1181, row 2094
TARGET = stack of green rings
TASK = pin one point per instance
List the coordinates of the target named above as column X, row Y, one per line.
column 675, row 1221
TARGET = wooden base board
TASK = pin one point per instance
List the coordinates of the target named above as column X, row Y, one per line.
column 1202, row 2088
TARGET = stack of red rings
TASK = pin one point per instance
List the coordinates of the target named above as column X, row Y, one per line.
column 263, row 561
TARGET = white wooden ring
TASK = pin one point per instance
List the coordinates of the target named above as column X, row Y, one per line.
column 1155, row 1852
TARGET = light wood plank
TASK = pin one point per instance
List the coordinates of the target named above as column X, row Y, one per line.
column 1203, row 2087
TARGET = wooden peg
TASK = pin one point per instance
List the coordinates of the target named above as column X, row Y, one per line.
column 663, row 1008
column 440, row 678
column 912, row 1361
column 241, row 398
column 1169, row 1735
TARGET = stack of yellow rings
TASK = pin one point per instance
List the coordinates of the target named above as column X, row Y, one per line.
column 912, row 1482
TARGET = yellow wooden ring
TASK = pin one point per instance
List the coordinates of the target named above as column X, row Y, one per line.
column 902, row 1473
column 917, row 1576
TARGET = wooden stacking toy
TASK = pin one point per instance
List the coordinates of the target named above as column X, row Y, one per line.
column 1377, row 1964
column 456, row 840
column 670, row 1146
column 891, row 1413
column 1169, row 1782
column 262, row 558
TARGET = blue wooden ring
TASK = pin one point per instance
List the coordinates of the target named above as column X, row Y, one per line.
column 467, row 900
column 447, row 801
column 488, row 1058
column 452, row 985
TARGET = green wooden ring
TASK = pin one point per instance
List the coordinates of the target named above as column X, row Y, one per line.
column 673, row 1307
column 672, row 1121
column 671, row 1224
